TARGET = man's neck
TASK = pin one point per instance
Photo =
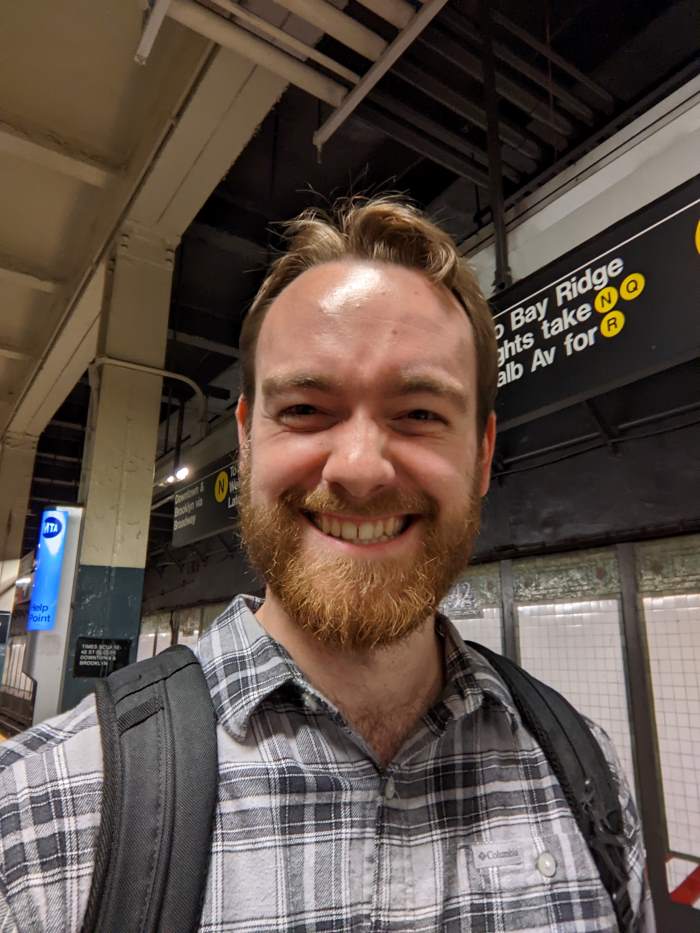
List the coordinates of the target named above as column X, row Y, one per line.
column 382, row 693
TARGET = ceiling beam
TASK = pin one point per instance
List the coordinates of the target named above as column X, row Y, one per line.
column 417, row 141
column 202, row 343
column 43, row 499
column 63, row 458
column 461, row 26
column 16, row 272
column 67, row 425
column 54, row 481
column 435, row 130
column 473, row 113
column 227, row 242
column 389, row 57
column 54, row 154
column 12, row 353
column 440, row 42
column 608, row 101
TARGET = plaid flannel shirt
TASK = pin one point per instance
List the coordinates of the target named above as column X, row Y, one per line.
column 466, row 830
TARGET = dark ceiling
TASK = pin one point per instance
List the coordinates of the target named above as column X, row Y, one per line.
column 568, row 74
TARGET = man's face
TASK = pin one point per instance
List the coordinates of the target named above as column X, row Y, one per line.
column 361, row 470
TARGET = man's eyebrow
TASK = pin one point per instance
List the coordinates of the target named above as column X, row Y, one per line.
column 403, row 384
column 413, row 384
column 274, row 386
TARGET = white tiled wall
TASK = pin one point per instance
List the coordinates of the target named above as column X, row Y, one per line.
column 155, row 635
column 486, row 631
column 576, row 648
column 673, row 635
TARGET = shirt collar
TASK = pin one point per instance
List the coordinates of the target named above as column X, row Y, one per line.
column 471, row 673
column 243, row 666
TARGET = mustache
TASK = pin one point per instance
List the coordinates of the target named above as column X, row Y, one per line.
column 387, row 502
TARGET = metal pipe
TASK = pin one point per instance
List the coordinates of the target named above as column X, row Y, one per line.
column 583, row 438
column 670, row 413
column 159, row 9
column 178, row 436
column 230, row 36
column 166, row 374
column 503, row 277
column 166, row 438
column 377, row 71
column 308, row 51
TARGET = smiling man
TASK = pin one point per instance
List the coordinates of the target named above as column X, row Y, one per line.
column 362, row 467
column 374, row 771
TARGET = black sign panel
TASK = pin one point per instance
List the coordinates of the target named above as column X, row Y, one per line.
column 207, row 505
column 622, row 306
column 98, row 657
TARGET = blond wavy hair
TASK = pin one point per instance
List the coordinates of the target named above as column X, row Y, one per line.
column 383, row 229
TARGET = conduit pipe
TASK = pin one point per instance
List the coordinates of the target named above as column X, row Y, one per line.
column 307, row 51
column 165, row 373
column 230, row 36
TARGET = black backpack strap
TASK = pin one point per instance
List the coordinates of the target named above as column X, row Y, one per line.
column 582, row 771
column 158, row 730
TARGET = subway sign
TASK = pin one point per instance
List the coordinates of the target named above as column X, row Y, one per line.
column 207, row 505
column 621, row 307
column 47, row 577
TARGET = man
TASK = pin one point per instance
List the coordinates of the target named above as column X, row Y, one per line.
column 366, row 756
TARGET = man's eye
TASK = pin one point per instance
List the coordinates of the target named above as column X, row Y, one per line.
column 422, row 414
column 298, row 411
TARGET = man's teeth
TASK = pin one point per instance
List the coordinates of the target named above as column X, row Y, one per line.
column 364, row 532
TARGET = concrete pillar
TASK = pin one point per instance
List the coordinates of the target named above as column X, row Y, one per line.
column 17, row 452
column 120, row 448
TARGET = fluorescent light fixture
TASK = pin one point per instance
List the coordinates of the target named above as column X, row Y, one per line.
column 182, row 473
column 23, row 581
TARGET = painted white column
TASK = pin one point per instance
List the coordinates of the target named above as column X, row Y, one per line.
column 17, row 452
column 120, row 449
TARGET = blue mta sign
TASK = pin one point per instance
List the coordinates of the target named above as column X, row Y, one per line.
column 47, row 578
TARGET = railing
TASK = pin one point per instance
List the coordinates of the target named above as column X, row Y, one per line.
column 16, row 689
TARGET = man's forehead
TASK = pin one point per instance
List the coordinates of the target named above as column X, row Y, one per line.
column 336, row 295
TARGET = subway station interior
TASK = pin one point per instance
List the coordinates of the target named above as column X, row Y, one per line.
column 149, row 154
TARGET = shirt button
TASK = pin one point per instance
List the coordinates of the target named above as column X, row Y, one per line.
column 390, row 789
column 546, row 865
column 311, row 703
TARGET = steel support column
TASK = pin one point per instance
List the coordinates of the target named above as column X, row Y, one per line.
column 120, row 449
column 509, row 614
column 669, row 916
column 503, row 277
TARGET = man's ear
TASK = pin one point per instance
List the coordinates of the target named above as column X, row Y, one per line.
column 242, row 418
column 488, row 444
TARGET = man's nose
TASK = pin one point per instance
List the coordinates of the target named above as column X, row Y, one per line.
column 358, row 459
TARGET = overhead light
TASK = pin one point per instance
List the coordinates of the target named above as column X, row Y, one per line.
column 23, row 581
column 171, row 478
column 182, row 473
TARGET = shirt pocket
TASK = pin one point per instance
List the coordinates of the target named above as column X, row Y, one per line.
column 534, row 883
